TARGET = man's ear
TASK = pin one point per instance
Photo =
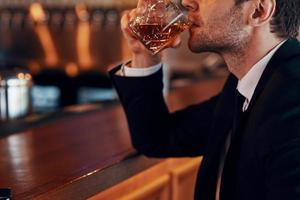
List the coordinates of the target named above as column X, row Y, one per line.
column 262, row 12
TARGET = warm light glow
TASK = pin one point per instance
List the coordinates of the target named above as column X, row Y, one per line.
column 37, row 12
column 72, row 69
column 51, row 57
column 21, row 76
column 83, row 41
column 81, row 11
column 28, row 76
column 38, row 15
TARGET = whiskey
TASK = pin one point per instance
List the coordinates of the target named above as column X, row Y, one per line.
column 158, row 24
column 156, row 36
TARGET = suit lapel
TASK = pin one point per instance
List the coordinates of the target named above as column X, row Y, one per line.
column 207, row 177
column 289, row 49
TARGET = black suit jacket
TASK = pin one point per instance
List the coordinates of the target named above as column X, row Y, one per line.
column 263, row 161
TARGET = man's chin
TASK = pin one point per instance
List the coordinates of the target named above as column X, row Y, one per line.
column 196, row 45
column 202, row 46
column 197, row 48
column 193, row 49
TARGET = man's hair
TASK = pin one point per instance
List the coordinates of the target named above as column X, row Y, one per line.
column 286, row 19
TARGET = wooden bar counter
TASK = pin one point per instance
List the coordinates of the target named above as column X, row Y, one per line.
column 80, row 156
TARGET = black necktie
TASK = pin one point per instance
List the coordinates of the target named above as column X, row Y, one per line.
column 228, row 182
column 238, row 112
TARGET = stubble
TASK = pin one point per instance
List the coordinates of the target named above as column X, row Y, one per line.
column 222, row 34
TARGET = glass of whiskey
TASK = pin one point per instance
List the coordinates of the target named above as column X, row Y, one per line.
column 157, row 23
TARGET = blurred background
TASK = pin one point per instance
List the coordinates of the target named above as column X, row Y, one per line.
column 56, row 53
column 62, row 49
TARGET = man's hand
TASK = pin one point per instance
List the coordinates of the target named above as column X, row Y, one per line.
column 142, row 57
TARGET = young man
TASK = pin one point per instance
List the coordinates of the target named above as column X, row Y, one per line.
column 249, row 134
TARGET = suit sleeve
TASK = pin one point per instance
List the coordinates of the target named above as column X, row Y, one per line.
column 282, row 164
column 156, row 132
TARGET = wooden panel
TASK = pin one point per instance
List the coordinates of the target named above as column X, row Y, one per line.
column 158, row 189
column 171, row 179
column 151, row 184
column 184, row 179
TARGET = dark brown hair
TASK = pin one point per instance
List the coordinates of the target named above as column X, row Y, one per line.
column 286, row 19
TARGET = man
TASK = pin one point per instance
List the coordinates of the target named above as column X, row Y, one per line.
column 249, row 134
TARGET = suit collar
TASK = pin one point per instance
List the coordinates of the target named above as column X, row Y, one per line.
column 223, row 114
column 246, row 86
column 288, row 50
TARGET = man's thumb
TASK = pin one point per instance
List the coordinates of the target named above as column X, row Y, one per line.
column 176, row 42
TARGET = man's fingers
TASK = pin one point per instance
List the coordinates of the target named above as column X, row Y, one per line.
column 142, row 3
column 132, row 14
column 127, row 15
column 125, row 19
column 175, row 43
column 132, row 40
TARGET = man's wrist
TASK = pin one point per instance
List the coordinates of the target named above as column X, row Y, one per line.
column 127, row 71
column 144, row 61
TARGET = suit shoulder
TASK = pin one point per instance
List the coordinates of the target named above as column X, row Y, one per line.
column 290, row 68
column 281, row 93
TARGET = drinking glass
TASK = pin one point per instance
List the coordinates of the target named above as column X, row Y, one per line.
column 157, row 23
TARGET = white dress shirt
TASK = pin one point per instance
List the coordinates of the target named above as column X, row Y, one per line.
column 246, row 86
column 138, row 72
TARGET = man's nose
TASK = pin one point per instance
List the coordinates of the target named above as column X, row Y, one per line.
column 190, row 5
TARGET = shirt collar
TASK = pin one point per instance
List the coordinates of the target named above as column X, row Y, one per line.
column 246, row 86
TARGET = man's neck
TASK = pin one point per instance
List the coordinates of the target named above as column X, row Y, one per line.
column 240, row 62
